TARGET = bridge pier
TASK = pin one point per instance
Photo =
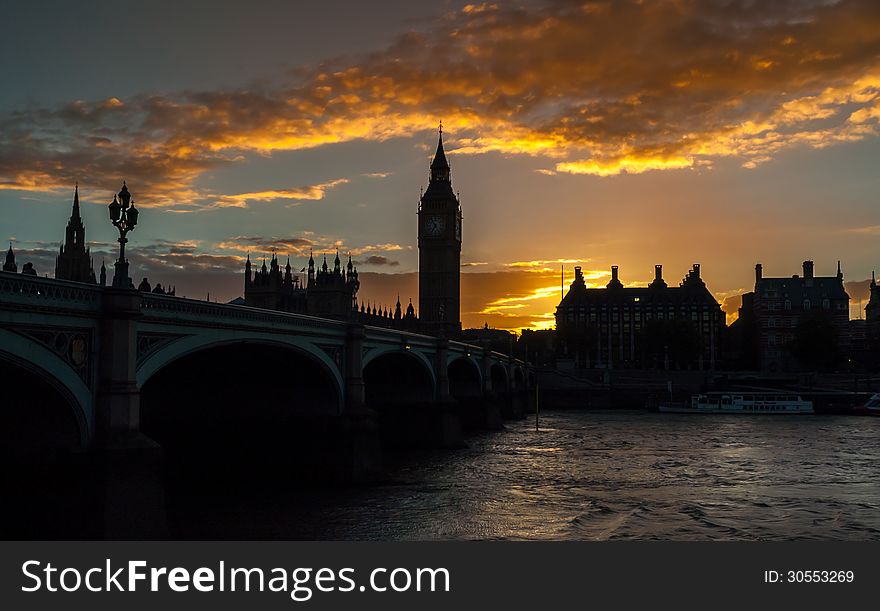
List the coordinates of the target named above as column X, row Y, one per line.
column 358, row 454
column 118, row 397
column 127, row 463
column 511, row 403
column 131, row 488
column 422, row 425
column 516, row 405
column 480, row 413
column 440, row 366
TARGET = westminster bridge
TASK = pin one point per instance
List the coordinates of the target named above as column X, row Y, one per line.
column 88, row 368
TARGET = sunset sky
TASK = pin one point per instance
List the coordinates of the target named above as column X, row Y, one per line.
column 579, row 133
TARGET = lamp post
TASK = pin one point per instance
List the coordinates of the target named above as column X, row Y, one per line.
column 124, row 217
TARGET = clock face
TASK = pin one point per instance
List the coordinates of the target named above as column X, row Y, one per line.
column 434, row 225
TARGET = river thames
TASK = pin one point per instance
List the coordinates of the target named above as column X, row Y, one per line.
column 591, row 476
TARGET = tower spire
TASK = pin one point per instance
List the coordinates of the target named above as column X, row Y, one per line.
column 75, row 213
column 9, row 265
column 74, row 260
column 440, row 166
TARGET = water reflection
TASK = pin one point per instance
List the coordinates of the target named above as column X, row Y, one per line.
column 589, row 475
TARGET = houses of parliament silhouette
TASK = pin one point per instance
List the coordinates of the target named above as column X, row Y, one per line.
column 332, row 292
column 328, row 292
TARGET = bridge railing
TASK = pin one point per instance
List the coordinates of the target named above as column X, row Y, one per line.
column 399, row 335
column 164, row 308
column 474, row 349
column 32, row 292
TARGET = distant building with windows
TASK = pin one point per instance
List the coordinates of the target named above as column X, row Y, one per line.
column 656, row 326
column 778, row 305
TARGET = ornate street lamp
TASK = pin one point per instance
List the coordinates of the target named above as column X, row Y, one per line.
column 124, row 217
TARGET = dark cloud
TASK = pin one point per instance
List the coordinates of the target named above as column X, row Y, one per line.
column 294, row 245
column 379, row 261
column 599, row 87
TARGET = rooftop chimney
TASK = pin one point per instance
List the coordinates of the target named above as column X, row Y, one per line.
column 577, row 273
column 808, row 269
column 759, row 272
column 615, row 282
column 658, row 273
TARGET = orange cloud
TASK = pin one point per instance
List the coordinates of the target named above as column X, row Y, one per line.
column 308, row 193
column 559, row 82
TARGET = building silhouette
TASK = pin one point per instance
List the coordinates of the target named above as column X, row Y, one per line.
column 331, row 292
column 327, row 292
column 74, row 262
column 323, row 291
column 439, row 218
column 656, row 326
column 872, row 310
column 780, row 311
column 9, row 265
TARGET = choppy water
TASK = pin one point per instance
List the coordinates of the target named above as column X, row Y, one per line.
column 611, row 475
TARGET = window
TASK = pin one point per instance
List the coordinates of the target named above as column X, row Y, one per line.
column 826, row 304
column 788, row 304
column 807, row 304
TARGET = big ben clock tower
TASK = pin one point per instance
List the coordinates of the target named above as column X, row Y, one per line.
column 440, row 252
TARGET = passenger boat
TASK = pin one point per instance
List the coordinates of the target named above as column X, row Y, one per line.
column 871, row 406
column 760, row 404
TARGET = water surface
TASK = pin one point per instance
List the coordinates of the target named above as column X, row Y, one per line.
column 596, row 476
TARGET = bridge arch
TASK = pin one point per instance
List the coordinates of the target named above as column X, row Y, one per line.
column 465, row 378
column 195, row 343
column 241, row 410
column 398, row 377
column 375, row 353
column 34, row 358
